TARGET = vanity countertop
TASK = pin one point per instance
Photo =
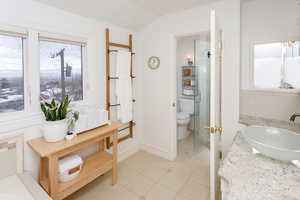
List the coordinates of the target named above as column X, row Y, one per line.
column 248, row 176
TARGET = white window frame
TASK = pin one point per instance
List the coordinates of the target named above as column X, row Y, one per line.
column 32, row 112
column 251, row 71
column 26, row 97
column 67, row 39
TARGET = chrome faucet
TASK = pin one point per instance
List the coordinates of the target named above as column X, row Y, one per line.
column 293, row 117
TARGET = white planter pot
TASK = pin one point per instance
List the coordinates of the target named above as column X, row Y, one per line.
column 55, row 130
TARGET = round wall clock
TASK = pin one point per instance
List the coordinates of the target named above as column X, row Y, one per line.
column 153, row 62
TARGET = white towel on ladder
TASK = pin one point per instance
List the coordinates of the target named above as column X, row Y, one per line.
column 124, row 86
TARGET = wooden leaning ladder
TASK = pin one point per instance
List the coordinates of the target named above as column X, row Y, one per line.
column 109, row 78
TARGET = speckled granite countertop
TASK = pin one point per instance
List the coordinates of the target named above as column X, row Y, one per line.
column 247, row 176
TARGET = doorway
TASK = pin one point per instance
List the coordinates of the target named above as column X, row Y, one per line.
column 193, row 108
column 193, row 93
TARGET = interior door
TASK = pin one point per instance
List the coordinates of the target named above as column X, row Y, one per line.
column 215, row 107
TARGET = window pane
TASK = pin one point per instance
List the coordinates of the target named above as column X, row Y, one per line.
column 11, row 74
column 267, row 65
column 61, row 70
column 293, row 64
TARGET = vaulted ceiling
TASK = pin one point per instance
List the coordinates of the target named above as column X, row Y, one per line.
column 132, row 14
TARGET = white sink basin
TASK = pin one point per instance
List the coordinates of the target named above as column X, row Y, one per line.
column 280, row 144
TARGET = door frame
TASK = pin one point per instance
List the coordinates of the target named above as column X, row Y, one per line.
column 173, row 100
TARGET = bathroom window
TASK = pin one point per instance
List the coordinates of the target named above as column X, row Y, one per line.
column 277, row 65
column 61, row 70
column 11, row 73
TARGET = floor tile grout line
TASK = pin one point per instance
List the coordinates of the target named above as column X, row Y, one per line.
column 135, row 193
column 150, row 189
column 130, row 191
column 152, row 180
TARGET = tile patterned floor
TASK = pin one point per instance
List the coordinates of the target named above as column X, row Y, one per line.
column 144, row 176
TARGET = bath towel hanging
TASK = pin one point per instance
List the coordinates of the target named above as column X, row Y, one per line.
column 124, row 86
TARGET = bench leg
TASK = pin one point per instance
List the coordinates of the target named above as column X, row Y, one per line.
column 53, row 176
column 115, row 155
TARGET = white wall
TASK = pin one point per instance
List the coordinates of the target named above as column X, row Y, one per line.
column 267, row 21
column 270, row 105
column 158, row 86
column 35, row 17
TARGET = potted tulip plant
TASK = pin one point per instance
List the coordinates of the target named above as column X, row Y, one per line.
column 56, row 121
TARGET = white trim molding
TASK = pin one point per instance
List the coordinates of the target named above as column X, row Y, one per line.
column 156, row 151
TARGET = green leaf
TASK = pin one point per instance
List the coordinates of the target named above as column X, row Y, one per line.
column 48, row 116
column 76, row 115
column 43, row 109
column 47, row 104
column 53, row 114
column 59, row 112
column 53, row 102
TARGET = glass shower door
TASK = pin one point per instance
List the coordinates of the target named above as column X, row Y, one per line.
column 201, row 100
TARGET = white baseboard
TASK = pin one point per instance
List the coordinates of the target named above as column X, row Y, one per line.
column 128, row 152
column 132, row 149
column 156, row 151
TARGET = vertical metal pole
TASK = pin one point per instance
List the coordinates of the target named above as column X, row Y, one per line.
column 107, row 74
column 107, row 71
column 131, row 75
column 62, row 73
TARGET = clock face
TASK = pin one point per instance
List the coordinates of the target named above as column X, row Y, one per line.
column 153, row 62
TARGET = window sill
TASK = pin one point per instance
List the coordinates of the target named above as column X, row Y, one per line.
column 25, row 115
column 18, row 115
column 19, row 121
column 274, row 91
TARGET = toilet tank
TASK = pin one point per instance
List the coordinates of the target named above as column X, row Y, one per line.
column 186, row 106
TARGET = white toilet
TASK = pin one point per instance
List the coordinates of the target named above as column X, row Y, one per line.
column 186, row 107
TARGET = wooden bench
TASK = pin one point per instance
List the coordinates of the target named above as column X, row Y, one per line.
column 93, row 166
